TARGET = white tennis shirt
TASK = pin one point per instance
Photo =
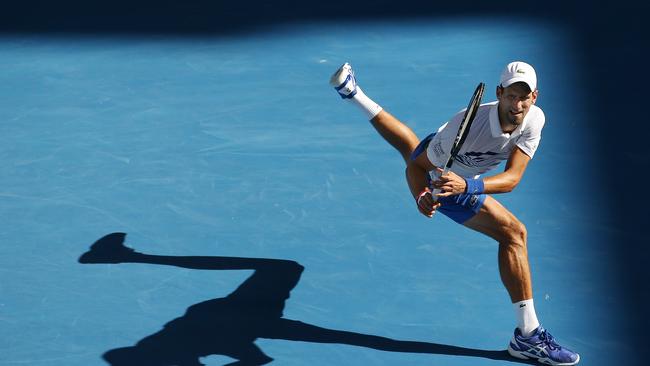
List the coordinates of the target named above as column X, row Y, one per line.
column 486, row 145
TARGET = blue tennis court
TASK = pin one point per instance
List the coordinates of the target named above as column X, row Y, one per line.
column 272, row 221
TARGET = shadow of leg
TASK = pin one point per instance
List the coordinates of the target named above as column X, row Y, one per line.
column 298, row 331
column 226, row 326
column 230, row 325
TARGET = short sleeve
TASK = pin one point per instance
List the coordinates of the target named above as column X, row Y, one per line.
column 529, row 139
column 440, row 145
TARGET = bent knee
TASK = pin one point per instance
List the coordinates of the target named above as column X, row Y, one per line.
column 519, row 233
column 515, row 233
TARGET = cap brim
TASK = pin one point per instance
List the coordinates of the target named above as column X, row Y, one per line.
column 509, row 82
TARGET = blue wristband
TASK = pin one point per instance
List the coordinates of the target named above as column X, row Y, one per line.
column 474, row 186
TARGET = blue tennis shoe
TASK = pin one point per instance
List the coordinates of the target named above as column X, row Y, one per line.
column 344, row 82
column 541, row 346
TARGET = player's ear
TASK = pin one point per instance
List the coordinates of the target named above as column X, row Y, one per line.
column 535, row 94
column 499, row 91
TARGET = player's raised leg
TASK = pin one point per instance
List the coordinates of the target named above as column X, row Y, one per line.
column 530, row 339
column 396, row 133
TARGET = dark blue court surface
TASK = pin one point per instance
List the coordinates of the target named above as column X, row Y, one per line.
column 242, row 177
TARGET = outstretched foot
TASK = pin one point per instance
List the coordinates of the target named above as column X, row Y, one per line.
column 109, row 249
column 344, row 82
column 541, row 346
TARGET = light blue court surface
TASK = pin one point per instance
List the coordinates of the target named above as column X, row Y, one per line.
column 236, row 146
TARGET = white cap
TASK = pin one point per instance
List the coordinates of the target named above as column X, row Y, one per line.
column 519, row 71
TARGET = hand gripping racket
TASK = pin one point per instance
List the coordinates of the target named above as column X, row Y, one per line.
column 463, row 130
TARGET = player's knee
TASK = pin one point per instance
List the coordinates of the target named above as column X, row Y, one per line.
column 513, row 233
column 518, row 233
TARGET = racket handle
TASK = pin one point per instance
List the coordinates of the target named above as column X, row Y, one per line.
column 434, row 192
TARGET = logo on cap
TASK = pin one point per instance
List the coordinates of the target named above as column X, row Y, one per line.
column 518, row 71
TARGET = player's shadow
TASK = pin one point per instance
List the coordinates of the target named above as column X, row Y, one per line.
column 230, row 325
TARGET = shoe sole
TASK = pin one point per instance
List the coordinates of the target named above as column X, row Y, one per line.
column 336, row 80
column 527, row 356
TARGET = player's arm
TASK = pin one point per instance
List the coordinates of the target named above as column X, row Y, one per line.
column 452, row 184
column 511, row 176
column 416, row 177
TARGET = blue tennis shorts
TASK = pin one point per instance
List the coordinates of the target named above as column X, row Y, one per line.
column 459, row 208
column 462, row 207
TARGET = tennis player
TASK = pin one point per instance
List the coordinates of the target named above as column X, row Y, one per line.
column 506, row 129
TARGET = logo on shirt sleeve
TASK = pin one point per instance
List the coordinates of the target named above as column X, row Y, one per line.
column 437, row 149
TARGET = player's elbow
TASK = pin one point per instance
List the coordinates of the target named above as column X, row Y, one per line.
column 511, row 184
column 508, row 188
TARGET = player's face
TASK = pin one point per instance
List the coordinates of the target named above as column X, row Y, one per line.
column 514, row 103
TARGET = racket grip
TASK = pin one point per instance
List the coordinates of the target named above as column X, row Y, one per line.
column 435, row 191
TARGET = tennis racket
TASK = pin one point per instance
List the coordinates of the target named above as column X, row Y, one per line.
column 463, row 130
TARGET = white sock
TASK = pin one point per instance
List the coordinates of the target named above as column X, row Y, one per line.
column 367, row 105
column 526, row 318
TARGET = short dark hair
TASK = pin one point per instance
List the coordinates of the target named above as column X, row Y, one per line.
column 517, row 85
